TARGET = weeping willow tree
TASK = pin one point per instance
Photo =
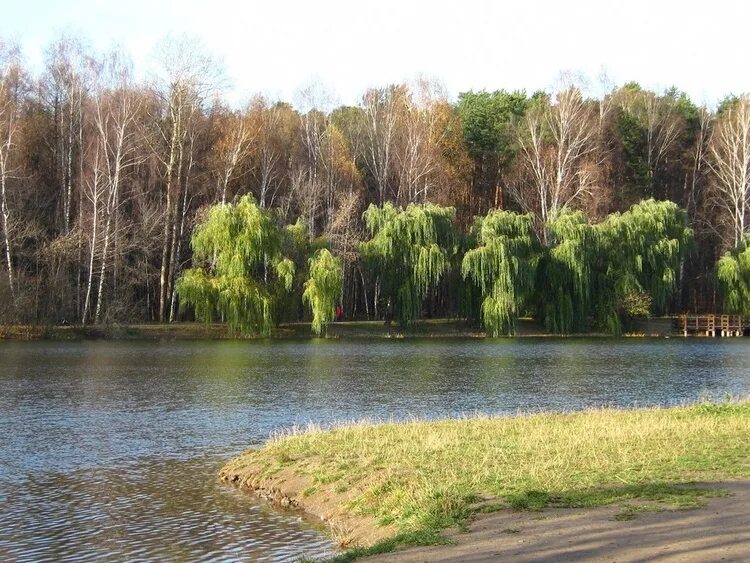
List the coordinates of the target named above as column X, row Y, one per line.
column 409, row 251
column 323, row 288
column 566, row 273
column 733, row 274
column 503, row 267
column 643, row 249
column 240, row 268
column 299, row 248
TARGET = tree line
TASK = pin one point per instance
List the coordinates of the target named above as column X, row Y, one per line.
column 109, row 186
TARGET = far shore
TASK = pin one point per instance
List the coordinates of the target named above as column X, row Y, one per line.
column 388, row 486
column 432, row 328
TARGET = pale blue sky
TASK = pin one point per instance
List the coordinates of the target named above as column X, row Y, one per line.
column 277, row 46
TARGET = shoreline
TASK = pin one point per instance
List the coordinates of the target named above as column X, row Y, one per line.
column 289, row 490
column 433, row 328
column 377, row 495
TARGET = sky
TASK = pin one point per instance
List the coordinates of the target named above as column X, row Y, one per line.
column 278, row 47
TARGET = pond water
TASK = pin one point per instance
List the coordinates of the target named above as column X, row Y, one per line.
column 110, row 450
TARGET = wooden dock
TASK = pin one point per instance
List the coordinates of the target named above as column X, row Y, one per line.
column 713, row 325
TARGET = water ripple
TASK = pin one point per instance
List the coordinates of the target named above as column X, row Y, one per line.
column 110, row 451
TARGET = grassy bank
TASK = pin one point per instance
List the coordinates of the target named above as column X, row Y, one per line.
column 392, row 484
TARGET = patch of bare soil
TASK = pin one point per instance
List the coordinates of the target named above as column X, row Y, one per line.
column 719, row 531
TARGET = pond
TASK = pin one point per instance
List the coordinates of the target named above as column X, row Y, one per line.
column 110, row 450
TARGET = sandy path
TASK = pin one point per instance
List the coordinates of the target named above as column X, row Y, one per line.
column 720, row 531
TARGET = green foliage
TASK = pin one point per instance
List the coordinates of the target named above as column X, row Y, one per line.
column 566, row 275
column 487, row 119
column 503, row 266
column 323, row 288
column 733, row 273
column 636, row 305
column 727, row 104
column 644, row 249
column 298, row 247
column 242, row 269
column 633, row 136
column 409, row 250
column 627, row 266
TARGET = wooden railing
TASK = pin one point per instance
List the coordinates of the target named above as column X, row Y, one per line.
column 713, row 325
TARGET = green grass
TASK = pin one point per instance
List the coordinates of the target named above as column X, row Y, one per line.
column 422, row 477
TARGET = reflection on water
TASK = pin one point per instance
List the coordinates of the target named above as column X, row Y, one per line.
column 111, row 450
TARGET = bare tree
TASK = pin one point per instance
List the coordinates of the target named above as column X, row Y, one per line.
column 662, row 126
column 94, row 191
column 698, row 156
column 10, row 113
column 418, row 156
column 382, row 108
column 186, row 79
column 318, row 140
column 237, row 133
column 278, row 127
column 115, row 109
column 558, row 147
column 65, row 87
column 729, row 149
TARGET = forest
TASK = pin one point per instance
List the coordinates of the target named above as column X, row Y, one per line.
column 156, row 200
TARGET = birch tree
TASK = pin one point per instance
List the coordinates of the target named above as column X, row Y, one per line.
column 94, row 192
column 64, row 89
column 663, row 128
column 558, row 143
column 651, row 127
column 186, row 78
column 10, row 115
column 699, row 162
column 417, row 155
column 115, row 110
column 237, row 134
column 381, row 108
column 278, row 124
column 729, row 162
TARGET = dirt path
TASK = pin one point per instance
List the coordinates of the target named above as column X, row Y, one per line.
column 719, row 531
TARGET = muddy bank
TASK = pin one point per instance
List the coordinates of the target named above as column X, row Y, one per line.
column 288, row 488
